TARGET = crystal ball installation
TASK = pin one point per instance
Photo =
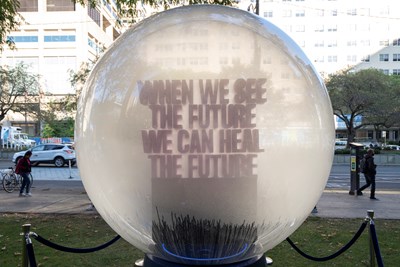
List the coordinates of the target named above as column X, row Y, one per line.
column 204, row 136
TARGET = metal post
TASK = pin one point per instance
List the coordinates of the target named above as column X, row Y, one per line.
column 69, row 164
column 26, row 228
column 371, row 244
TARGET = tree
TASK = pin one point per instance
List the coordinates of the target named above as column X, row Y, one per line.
column 134, row 9
column 9, row 21
column 18, row 90
column 368, row 94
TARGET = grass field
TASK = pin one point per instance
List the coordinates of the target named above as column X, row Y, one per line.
column 317, row 237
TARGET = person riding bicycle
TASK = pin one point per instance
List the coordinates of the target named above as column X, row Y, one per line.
column 23, row 168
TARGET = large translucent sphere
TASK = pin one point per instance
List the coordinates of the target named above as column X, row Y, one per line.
column 204, row 136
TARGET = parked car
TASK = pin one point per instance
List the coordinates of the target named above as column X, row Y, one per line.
column 392, row 147
column 57, row 154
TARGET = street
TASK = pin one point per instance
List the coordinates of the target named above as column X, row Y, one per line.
column 387, row 178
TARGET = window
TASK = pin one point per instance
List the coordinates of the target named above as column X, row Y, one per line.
column 351, row 58
column 60, row 5
column 332, row 58
column 332, row 28
column 384, row 71
column 365, row 42
column 23, row 39
column 300, row 13
column 319, row 59
column 383, row 57
column 332, row 43
column 28, row 6
column 319, row 28
column 300, row 28
column 365, row 58
column 334, row 12
column 319, row 43
column 384, row 42
column 396, row 57
column 94, row 15
column 287, row 13
column 320, row 12
column 352, row 12
column 268, row 14
column 59, row 38
column 351, row 43
column 396, row 72
column 396, row 42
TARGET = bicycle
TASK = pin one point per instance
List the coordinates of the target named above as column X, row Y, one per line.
column 11, row 180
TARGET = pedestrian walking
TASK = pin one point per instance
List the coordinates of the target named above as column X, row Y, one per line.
column 23, row 168
column 369, row 174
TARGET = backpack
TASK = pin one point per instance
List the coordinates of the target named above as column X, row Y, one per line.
column 363, row 165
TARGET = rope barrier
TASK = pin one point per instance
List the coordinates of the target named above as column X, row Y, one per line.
column 334, row 255
column 73, row 250
column 376, row 244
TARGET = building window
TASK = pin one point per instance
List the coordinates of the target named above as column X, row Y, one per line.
column 60, row 5
column 365, row 58
column 332, row 28
column 320, row 12
column 365, row 42
column 352, row 58
column 384, row 43
column 300, row 13
column 268, row 14
column 332, row 43
column 332, row 58
column 334, row 12
column 23, row 39
column 352, row 12
column 300, row 28
column 351, row 43
column 319, row 28
column 59, row 38
column 94, row 15
column 396, row 72
column 319, row 59
column 383, row 57
column 396, row 42
column 28, row 6
column 287, row 13
column 396, row 57
column 384, row 71
column 319, row 43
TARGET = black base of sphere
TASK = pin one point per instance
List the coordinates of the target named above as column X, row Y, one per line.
column 150, row 261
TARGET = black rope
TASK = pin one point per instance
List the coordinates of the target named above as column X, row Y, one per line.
column 74, row 250
column 376, row 245
column 334, row 255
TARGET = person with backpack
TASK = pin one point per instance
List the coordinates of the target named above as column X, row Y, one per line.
column 23, row 168
column 368, row 167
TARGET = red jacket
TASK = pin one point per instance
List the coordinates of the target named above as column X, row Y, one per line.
column 23, row 166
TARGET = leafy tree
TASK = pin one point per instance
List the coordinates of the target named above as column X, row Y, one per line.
column 135, row 10
column 18, row 90
column 9, row 21
column 367, row 93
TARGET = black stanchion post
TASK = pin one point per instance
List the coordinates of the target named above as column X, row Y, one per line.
column 371, row 244
column 69, row 166
column 26, row 228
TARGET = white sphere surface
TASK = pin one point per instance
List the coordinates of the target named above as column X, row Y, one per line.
column 204, row 136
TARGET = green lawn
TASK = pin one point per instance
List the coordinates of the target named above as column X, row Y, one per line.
column 317, row 237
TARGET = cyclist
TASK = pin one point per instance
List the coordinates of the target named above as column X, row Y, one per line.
column 23, row 168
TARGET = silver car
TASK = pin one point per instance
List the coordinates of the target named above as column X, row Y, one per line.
column 57, row 154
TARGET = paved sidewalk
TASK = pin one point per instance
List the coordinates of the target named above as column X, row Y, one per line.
column 57, row 197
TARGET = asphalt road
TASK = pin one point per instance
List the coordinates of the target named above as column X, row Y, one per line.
column 388, row 177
